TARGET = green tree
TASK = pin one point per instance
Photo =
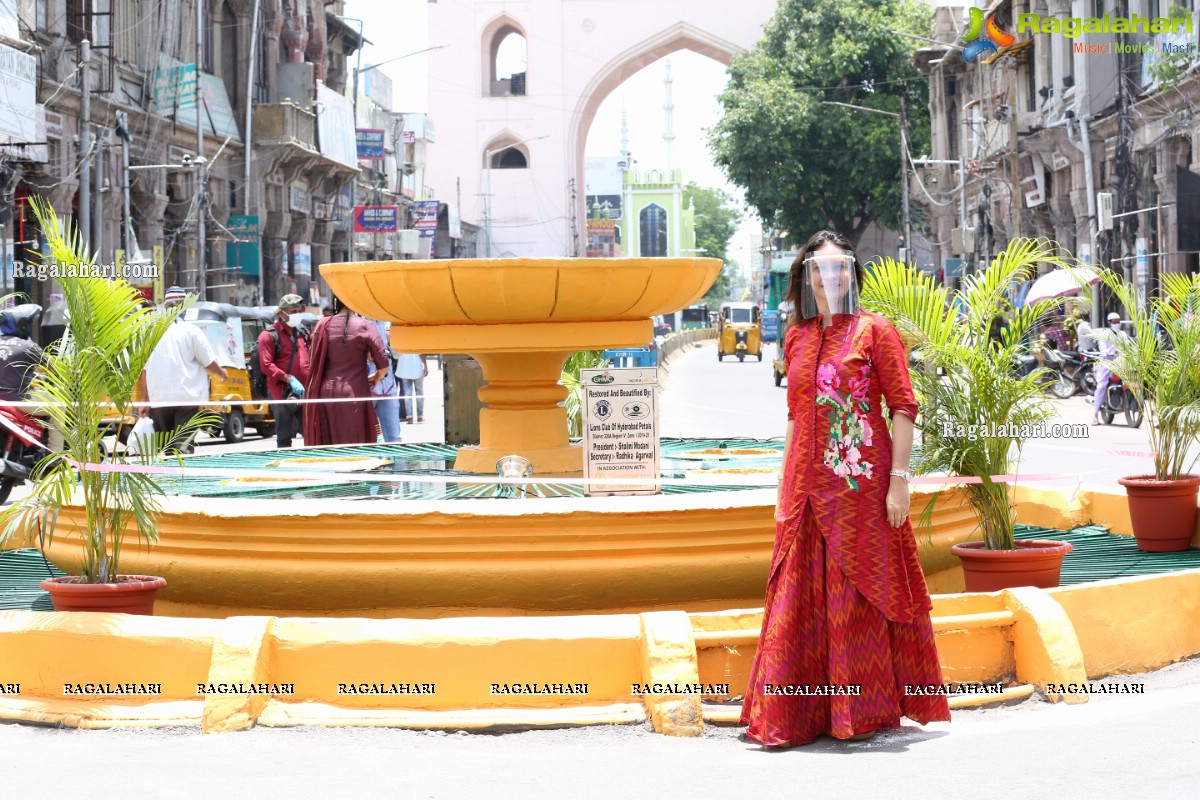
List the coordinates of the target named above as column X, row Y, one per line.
column 717, row 218
column 805, row 165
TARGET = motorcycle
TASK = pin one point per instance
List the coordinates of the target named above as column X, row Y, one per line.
column 1050, row 378
column 1119, row 400
column 1074, row 370
column 19, row 456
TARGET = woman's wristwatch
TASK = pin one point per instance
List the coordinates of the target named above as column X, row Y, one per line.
column 901, row 474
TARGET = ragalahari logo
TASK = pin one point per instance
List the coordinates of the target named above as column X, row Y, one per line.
column 984, row 37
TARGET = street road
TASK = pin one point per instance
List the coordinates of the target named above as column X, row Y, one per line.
column 704, row 397
column 1115, row 746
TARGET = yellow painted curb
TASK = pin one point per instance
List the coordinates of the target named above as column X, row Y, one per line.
column 240, row 658
column 669, row 657
column 1045, row 647
column 1009, row 695
column 282, row 715
column 1128, row 625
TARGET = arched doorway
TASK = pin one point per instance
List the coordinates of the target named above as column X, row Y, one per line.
column 576, row 55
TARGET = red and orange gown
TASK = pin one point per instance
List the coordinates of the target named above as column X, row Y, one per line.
column 846, row 602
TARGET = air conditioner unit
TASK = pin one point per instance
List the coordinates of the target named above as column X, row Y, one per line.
column 322, row 211
column 1104, row 211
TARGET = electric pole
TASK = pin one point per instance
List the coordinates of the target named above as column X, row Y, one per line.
column 201, row 168
column 85, row 146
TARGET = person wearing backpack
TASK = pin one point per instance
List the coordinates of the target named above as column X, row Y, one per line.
column 283, row 356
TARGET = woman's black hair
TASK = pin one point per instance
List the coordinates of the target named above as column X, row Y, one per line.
column 338, row 307
column 816, row 242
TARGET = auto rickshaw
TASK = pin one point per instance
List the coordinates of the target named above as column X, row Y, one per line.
column 785, row 319
column 740, row 331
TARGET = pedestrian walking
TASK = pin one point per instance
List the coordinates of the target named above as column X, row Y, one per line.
column 412, row 369
column 846, row 617
column 177, row 373
column 386, row 392
column 341, row 345
column 285, row 358
column 1108, row 354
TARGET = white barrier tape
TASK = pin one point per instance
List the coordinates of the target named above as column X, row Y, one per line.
column 733, row 479
column 233, row 401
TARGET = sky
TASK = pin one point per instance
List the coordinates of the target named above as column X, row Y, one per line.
column 697, row 82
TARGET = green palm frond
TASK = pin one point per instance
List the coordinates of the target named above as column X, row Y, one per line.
column 1160, row 364
column 111, row 337
column 967, row 379
column 584, row 359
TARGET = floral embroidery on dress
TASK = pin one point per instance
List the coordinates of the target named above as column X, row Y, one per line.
column 849, row 427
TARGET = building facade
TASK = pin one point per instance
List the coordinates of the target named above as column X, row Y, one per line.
column 1081, row 132
column 274, row 73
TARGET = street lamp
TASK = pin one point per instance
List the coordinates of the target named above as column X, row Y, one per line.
column 904, row 232
column 358, row 71
column 487, row 198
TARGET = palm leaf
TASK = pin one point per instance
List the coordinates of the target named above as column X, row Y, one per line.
column 966, row 379
column 111, row 338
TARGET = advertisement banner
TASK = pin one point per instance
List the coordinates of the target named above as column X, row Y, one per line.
column 301, row 260
column 376, row 219
column 620, row 429
column 425, row 217
column 370, row 143
column 245, row 256
column 335, row 126
column 343, row 210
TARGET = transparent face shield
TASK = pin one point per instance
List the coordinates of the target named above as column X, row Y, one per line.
column 829, row 285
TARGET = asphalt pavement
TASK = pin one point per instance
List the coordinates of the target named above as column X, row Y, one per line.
column 1128, row 745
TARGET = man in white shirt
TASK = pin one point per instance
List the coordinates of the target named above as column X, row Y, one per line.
column 175, row 374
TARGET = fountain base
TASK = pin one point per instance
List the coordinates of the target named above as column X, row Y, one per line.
column 551, row 461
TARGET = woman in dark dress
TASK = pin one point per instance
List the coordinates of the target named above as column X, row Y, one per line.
column 340, row 348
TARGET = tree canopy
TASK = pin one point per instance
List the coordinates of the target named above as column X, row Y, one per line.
column 805, row 165
column 717, row 219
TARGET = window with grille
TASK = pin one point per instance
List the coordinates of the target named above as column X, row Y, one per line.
column 652, row 227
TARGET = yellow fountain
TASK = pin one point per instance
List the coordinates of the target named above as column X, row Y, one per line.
column 521, row 319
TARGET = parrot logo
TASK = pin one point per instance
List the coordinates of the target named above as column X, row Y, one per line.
column 984, row 37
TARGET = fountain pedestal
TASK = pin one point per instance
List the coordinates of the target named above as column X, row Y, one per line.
column 521, row 319
column 521, row 365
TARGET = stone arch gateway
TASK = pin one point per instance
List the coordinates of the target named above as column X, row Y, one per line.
column 577, row 53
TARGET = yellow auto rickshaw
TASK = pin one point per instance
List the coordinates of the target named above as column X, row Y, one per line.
column 232, row 332
column 785, row 319
column 740, row 331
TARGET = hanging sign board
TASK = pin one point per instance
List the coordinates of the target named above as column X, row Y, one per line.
column 620, row 429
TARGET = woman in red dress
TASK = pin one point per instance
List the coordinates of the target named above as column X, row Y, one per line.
column 846, row 623
column 340, row 347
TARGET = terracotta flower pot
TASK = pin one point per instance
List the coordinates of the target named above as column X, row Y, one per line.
column 1163, row 512
column 132, row 594
column 1035, row 562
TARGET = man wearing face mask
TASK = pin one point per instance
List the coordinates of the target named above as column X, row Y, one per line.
column 283, row 353
column 1108, row 352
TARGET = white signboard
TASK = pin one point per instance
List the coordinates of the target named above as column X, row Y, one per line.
column 620, row 429
column 18, row 89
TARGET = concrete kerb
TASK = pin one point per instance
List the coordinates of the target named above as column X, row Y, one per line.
column 1042, row 638
column 678, row 343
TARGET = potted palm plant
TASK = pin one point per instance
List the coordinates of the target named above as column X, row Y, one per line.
column 1160, row 364
column 99, row 361
column 977, row 409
